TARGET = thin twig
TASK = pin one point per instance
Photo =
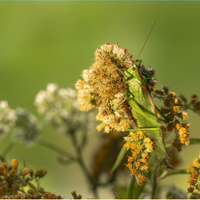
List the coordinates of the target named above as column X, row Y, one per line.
column 57, row 150
column 155, row 177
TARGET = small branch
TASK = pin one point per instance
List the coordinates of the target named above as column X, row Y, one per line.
column 174, row 172
column 57, row 150
column 82, row 164
column 155, row 178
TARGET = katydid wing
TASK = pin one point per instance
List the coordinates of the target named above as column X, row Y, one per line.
column 143, row 109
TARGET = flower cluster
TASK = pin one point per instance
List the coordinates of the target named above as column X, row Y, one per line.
column 140, row 147
column 27, row 127
column 31, row 194
column 193, row 104
column 194, row 178
column 175, row 118
column 61, row 110
column 103, row 87
column 13, row 179
column 7, row 118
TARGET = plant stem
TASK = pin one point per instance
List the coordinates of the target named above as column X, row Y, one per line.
column 78, row 158
column 92, row 182
column 155, row 177
column 57, row 150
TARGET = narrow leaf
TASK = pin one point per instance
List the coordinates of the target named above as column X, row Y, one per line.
column 119, row 159
column 32, row 186
column 134, row 189
column 175, row 172
column 194, row 140
column 130, row 189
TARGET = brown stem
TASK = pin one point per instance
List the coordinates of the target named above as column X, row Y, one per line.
column 155, row 178
column 91, row 181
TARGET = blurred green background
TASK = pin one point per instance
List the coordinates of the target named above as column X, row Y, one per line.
column 42, row 42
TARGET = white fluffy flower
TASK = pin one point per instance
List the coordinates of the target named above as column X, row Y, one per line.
column 27, row 127
column 61, row 109
column 7, row 118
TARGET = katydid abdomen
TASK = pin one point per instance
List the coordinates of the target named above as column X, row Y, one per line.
column 143, row 109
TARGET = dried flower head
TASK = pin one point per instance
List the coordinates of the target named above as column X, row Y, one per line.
column 7, row 118
column 31, row 194
column 13, row 180
column 27, row 127
column 103, row 87
column 61, row 110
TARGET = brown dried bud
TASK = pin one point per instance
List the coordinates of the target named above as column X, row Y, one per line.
column 197, row 106
column 12, row 172
column 163, row 129
column 25, row 171
column 172, row 95
column 165, row 88
column 183, row 98
column 164, row 110
column 193, row 99
column 170, row 127
column 160, row 92
column 167, row 103
column 190, row 189
column 31, row 191
column 170, row 117
column 40, row 173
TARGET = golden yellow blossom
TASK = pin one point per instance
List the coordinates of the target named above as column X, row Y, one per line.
column 176, row 118
column 140, row 147
column 14, row 163
column 194, row 179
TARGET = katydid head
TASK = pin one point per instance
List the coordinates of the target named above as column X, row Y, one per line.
column 138, row 62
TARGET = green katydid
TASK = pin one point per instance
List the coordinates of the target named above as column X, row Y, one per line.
column 139, row 98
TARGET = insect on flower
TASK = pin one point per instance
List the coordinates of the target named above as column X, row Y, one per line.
column 118, row 87
column 138, row 96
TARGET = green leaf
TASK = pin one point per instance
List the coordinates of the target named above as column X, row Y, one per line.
column 194, row 140
column 119, row 159
column 131, row 187
column 120, row 192
column 32, row 186
column 134, row 189
column 175, row 172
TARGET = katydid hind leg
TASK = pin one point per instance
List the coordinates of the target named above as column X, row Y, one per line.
column 144, row 129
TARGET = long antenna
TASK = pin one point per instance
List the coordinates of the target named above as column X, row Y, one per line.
column 146, row 40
